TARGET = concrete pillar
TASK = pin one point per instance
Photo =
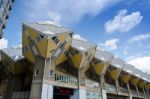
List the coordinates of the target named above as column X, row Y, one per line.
column 82, row 93
column 40, row 89
column 130, row 95
column 102, row 86
column 117, row 86
column 47, row 91
column 81, row 84
column 137, row 90
column 14, row 84
column 147, row 94
column 36, row 90
column 144, row 94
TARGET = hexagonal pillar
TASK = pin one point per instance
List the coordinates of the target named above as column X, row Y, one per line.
column 147, row 94
column 80, row 55
column 40, row 88
column 45, row 45
column 102, row 84
column 115, row 70
column 130, row 95
column 137, row 90
column 100, row 64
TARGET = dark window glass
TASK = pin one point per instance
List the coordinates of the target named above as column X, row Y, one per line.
column 55, row 39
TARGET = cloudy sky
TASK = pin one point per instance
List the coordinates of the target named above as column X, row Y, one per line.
column 119, row 26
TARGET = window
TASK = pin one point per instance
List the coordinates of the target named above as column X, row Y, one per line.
column 50, row 73
column 39, row 37
column 36, row 73
column 55, row 39
column 74, row 52
column 31, row 41
column 63, row 45
column 25, row 49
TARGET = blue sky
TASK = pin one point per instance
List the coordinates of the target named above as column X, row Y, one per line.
column 119, row 26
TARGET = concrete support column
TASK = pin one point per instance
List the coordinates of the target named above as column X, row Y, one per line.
column 117, row 86
column 144, row 94
column 137, row 90
column 47, row 91
column 36, row 90
column 14, row 84
column 102, row 85
column 130, row 95
column 147, row 94
column 40, row 89
column 82, row 93
column 81, row 84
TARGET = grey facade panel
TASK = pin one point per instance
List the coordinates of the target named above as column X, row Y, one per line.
column 48, row 28
column 103, row 55
column 118, row 63
column 82, row 45
column 136, row 72
column 15, row 53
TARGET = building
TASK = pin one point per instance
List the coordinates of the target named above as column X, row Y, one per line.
column 5, row 7
column 52, row 64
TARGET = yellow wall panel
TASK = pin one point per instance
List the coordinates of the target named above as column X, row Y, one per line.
column 76, row 60
column 61, row 59
column 42, row 47
column 25, row 40
column 134, row 81
column 126, row 78
column 99, row 68
column 33, row 34
column 51, row 47
column 30, row 56
column 147, row 86
column 114, row 74
column 141, row 84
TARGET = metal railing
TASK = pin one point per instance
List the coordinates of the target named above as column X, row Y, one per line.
column 133, row 93
column 110, row 88
column 66, row 80
column 92, row 85
column 20, row 95
column 141, row 94
column 93, row 95
column 123, row 90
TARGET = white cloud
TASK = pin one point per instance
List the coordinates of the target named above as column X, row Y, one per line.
column 123, row 22
column 139, row 38
column 110, row 44
column 78, row 37
column 142, row 63
column 64, row 11
column 3, row 43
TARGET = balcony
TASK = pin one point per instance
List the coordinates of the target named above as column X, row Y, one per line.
column 133, row 93
column 93, row 95
column 141, row 94
column 110, row 88
column 92, row 85
column 124, row 91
